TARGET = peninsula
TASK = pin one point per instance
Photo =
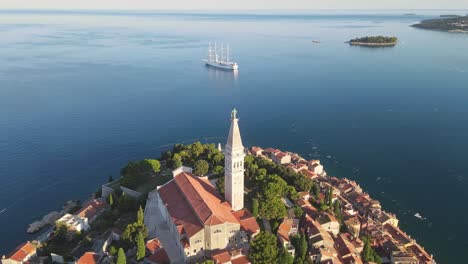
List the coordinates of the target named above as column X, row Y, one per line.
column 374, row 41
column 450, row 24
column 207, row 204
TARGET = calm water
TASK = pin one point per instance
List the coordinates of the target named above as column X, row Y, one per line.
column 83, row 93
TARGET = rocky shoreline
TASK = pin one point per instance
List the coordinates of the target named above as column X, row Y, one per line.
column 50, row 218
column 365, row 44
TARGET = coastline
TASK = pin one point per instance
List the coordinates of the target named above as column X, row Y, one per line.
column 364, row 44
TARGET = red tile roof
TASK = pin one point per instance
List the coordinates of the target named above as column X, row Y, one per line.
column 88, row 258
column 159, row 257
column 284, row 228
column 194, row 202
column 271, row 150
column 179, row 209
column 221, row 257
column 281, row 155
column 204, row 199
column 241, row 260
column 420, row 253
column 22, row 252
column 153, row 245
column 92, row 208
column 247, row 221
column 308, row 173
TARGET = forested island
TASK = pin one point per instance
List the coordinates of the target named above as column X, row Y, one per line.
column 374, row 41
column 451, row 24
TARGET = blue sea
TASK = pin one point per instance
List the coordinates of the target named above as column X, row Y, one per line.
column 82, row 93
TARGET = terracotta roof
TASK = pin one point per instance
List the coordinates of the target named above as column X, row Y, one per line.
column 204, row 199
column 247, row 221
column 179, row 209
column 420, row 253
column 256, row 149
column 22, row 251
column 271, row 150
column 308, row 173
column 153, row 245
column 285, row 228
column 88, row 258
column 194, row 202
column 221, row 257
column 184, row 242
column 241, row 260
column 343, row 247
column 92, row 208
column 397, row 234
column 159, row 257
column 281, row 155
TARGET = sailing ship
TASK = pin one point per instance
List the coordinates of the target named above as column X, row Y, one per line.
column 221, row 60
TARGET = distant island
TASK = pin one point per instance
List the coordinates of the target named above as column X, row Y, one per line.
column 448, row 23
column 374, row 41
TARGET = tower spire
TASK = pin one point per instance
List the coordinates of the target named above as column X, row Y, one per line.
column 234, row 166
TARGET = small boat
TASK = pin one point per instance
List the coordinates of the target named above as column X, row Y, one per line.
column 220, row 62
column 315, row 41
column 419, row 216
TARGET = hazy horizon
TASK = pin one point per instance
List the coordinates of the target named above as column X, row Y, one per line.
column 240, row 5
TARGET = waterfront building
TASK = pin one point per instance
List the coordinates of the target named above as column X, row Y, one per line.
column 81, row 220
column 22, row 254
column 199, row 221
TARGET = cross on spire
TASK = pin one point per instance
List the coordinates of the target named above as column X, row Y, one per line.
column 234, row 114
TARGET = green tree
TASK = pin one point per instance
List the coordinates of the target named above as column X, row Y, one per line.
column 336, row 208
column 121, row 259
column 141, row 250
column 303, row 247
column 201, row 167
column 330, row 197
column 303, row 183
column 255, row 207
column 272, row 209
column 208, row 261
column 368, row 253
column 315, row 190
column 111, row 200
column 113, row 251
column 196, row 149
column 218, row 158
column 153, row 165
column 284, row 257
column 263, row 249
column 220, row 185
column 176, row 161
column 218, row 170
column 131, row 232
column 140, row 216
column 298, row 212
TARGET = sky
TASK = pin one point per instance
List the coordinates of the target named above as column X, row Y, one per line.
column 232, row 4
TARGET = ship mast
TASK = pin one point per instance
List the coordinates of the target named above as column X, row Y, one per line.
column 222, row 52
column 210, row 57
column 227, row 53
column 216, row 53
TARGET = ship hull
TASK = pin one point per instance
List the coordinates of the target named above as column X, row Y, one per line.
column 222, row 66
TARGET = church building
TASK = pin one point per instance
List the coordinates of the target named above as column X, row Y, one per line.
column 199, row 221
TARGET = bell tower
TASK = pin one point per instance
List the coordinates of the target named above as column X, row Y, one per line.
column 234, row 166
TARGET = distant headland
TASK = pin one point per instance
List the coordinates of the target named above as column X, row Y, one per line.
column 374, row 41
column 445, row 23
